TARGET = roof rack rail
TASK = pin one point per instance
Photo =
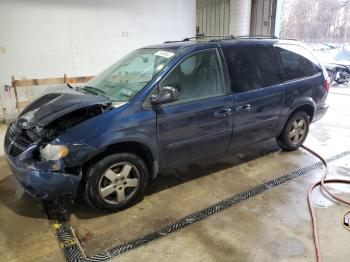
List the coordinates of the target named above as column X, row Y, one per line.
column 184, row 40
column 257, row 36
column 216, row 36
column 201, row 36
column 222, row 37
column 226, row 37
column 175, row 41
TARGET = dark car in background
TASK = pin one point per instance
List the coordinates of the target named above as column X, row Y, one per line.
column 339, row 69
column 160, row 106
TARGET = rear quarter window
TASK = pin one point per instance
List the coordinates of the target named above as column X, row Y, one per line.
column 297, row 62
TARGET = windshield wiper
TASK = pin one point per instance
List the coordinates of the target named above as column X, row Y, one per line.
column 93, row 90
column 70, row 86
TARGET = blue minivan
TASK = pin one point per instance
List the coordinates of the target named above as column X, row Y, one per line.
column 160, row 106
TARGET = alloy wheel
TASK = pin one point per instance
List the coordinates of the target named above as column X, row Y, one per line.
column 297, row 131
column 119, row 183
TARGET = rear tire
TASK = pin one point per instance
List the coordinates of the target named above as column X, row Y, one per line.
column 116, row 182
column 294, row 132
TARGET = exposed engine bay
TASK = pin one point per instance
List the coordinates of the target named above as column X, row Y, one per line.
column 43, row 120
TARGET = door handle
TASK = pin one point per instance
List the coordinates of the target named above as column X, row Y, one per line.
column 223, row 113
column 244, row 108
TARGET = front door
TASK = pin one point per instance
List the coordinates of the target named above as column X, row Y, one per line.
column 200, row 123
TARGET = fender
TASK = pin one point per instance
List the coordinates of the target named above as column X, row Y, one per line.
column 300, row 102
column 85, row 150
column 123, row 137
column 93, row 136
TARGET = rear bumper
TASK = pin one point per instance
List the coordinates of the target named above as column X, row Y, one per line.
column 320, row 111
column 38, row 180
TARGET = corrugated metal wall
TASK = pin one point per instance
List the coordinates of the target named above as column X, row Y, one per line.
column 236, row 17
column 263, row 17
column 213, row 17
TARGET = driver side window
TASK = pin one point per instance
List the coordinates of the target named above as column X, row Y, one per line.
column 197, row 76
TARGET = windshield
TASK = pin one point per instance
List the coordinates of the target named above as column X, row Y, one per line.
column 124, row 79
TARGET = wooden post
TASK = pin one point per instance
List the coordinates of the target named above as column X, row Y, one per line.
column 16, row 95
column 3, row 110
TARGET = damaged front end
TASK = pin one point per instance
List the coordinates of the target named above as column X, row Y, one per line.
column 36, row 159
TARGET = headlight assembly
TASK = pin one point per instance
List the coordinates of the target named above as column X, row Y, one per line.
column 53, row 152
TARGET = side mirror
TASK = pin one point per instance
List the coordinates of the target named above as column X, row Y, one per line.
column 167, row 94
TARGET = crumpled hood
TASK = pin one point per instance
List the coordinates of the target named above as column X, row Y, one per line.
column 52, row 106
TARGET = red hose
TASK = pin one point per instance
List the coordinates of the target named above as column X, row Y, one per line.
column 323, row 183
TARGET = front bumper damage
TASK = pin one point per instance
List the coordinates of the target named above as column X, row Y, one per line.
column 38, row 179
column 40, row 123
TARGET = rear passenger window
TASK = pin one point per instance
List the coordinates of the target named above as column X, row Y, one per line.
column 268, row 66
column 251, row 67
column 297, row 62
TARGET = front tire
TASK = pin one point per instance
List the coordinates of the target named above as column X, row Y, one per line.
column 294, row 132
column 116, row 181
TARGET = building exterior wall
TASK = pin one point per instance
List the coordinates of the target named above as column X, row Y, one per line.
column 42, row 39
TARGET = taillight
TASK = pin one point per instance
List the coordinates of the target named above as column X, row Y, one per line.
column 327, row 84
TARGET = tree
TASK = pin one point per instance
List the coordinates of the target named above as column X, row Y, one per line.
column 316, row 20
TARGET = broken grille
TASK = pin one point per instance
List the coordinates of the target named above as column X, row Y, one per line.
column 17, row 140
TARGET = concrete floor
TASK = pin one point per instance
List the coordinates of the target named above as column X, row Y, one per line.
column 25, row 232
column 272, row 226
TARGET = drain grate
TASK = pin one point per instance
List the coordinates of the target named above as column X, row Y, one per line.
column 346, row 220
column 66, row 237
column 68, row 241
column 73, row 251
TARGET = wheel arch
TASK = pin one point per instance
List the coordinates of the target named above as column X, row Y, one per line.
column 308, row 107
column 306, row 104
column 138, row 148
